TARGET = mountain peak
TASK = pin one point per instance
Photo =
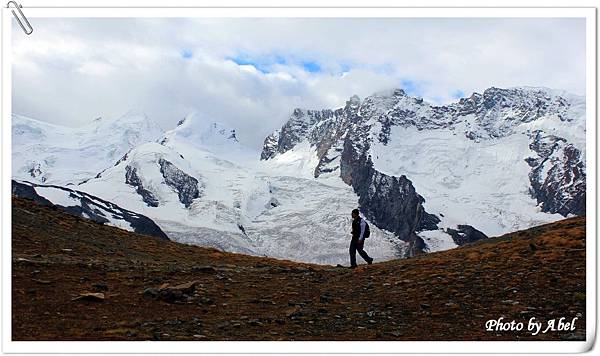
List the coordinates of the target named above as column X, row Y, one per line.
column 353, row 102
column 196, row 130
column 399, row 92
column 388, row 93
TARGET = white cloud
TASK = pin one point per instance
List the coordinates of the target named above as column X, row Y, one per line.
column 73, row 70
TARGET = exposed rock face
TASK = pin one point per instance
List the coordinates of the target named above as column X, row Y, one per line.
column 27, row 191
column 232, row 136
column 524, row 106
column 389, row 202
column 36, row 171
column 497, row 111
column 295, row 129
column 87, row 206
column 270, row 146
column 465, row 234
column 342, row 140
column 132, row 178
column 329, row 136
column 557, row 176
column 273, row 203
column 186, row 186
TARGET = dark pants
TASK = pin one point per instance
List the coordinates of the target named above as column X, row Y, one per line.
column 355, row 246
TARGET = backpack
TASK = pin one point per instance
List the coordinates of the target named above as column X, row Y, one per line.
column 367, row 230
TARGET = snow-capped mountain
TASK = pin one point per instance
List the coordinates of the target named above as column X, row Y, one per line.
column 201, row 186
column 53, row 154
column 426, row 177
column 439, row 176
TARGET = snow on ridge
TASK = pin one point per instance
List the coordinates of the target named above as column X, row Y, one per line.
column 49, row 153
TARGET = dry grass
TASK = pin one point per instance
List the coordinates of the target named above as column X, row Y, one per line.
column 440, row 296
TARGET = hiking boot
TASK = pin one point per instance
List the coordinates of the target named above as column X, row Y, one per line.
column 353, row 266
column 370, row 261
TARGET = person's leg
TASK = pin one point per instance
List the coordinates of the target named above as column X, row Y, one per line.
column 352, row 253
column 364, row 254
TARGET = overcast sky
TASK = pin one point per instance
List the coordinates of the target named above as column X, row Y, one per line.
column 251, row 73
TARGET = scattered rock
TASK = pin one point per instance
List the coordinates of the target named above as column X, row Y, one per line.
column 92, row 297
column 406, row 281
column 206, row 301
column 204, row 269
column 187, row 288
column 41, row 281
column 452, row 305
column 150, row 293
column 100, row 287
column 325, row 298
column 292, row 311
column 170, row 295
column 510, row 302
column 267, row 301
column 173, row 322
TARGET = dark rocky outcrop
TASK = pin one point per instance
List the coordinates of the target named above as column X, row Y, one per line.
column 89, row 207
column 294, row 130
column 27, row 191
column 270, row 146
column 558, row 175
column 465, row 234
column 389, row 202
column 132, row 178
column 233, row 136
column 36, row 171
column 185, row 185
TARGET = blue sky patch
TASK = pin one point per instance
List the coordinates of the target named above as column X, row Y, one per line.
column 263, row 63
column 187, row 54
column 458, row 94
column 243, row 60
column 311, row 66
column 410, row 87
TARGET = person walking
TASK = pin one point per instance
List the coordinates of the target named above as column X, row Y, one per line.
column 360, row 231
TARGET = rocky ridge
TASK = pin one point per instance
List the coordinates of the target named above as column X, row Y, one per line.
column 87, row 206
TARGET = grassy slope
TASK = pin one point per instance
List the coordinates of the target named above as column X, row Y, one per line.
column 447, row 295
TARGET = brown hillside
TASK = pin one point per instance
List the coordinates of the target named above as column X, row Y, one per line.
column 448, row 295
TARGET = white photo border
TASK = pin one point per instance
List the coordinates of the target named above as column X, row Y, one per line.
column 306, row 347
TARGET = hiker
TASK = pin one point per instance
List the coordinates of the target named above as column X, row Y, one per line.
column 360, row 231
